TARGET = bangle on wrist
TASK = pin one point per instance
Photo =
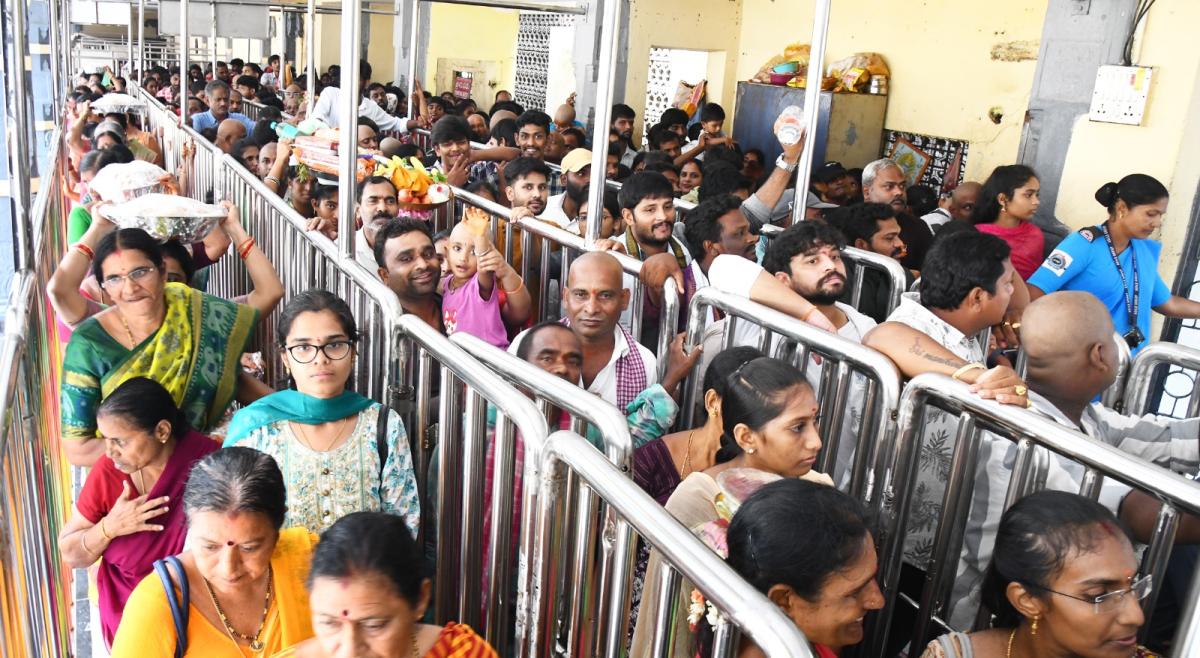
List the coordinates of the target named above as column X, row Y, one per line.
column 83, row 543
column 245, row 247
column 103, row 532
column 85, row 250
column 517, row 289
column 967, row 368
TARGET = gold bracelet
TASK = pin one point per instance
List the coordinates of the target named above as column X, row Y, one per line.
column 517, row 289
column 967, row 368
column 103, row 532
column 83, row 543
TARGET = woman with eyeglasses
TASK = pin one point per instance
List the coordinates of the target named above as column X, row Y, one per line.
column 1063, row 581
column 340, row 452
column 188, row 341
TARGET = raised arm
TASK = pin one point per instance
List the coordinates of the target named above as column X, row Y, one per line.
column 915, row 353
column 268, row 289
column 69, row 304
column 772, row 190
column 283, row 153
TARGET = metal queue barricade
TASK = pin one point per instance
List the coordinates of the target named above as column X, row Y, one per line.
column 36, row 591
column 1145, row 369
column 567, row 245
column 841, row 360
column 592, row 625
column 461, row 437
column 1030, row 431
column 252, row 109
column 569, row 462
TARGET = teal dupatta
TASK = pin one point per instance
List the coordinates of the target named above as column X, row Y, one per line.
column 293, row 406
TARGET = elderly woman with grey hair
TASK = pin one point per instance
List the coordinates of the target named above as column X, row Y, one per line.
column 239, row 584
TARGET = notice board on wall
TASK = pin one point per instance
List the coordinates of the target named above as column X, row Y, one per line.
column 938, row 162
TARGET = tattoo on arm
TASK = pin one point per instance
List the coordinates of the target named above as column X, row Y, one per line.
column 918, row 351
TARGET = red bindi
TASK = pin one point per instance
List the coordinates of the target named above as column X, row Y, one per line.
column 345, row 613
column 229, row 543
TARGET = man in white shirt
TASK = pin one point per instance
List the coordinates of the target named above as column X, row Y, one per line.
column 615, row 366
column 563, row 209
column 328, row 107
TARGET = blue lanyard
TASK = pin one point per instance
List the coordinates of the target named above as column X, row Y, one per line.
column 1131, row 306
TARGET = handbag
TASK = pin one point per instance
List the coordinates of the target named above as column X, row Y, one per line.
column 178, row 601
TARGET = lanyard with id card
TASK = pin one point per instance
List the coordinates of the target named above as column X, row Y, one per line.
column 1134, row 336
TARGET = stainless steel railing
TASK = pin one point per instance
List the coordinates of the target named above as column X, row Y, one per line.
column 1034, row 434
column 585, row 611
column 570, row 465
column 557, row 242
column 467, row 387
column 1176, row 360
column 842, row 361
column 35, row 588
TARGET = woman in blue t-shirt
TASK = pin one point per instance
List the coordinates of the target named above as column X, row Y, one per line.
column 1117, row 261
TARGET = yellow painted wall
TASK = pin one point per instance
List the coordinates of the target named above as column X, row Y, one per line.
column 944, row 79
column 713, row 25
column 1164, row 146
column 466, row 32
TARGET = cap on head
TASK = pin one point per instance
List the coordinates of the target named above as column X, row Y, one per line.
column 576, row 160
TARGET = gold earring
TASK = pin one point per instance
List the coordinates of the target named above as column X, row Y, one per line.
column 1033, row 629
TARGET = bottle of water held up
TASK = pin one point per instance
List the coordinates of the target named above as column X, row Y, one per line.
column 789, row 127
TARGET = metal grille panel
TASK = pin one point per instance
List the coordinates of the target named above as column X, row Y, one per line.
column 660, row 92
column 533, row 55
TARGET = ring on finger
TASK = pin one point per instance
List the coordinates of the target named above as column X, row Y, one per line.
column 1020, row 389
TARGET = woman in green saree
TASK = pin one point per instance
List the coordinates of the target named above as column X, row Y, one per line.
column 186, row 340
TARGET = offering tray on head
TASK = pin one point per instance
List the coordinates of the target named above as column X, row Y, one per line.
column 166, row 216
column 117, row 103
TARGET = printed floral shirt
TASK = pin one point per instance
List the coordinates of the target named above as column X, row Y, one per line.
column 322, row 487
column 937, row 440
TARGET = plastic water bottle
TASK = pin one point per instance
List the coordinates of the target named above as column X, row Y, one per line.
column 789, row 127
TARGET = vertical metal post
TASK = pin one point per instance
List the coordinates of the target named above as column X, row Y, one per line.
column 56, row 69
column 18, row 170
column 310, row 54
column 184, row 79
column 142, row 45
column 812, row 101
column 212, row 37
column 609, row 33
column 348, row 147
column 129, row 43
column 413, row 106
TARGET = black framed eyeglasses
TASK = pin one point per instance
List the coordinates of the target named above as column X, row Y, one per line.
column 306, row 353
column 1110, row 601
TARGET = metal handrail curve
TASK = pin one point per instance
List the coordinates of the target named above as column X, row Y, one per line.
column 1137, row 394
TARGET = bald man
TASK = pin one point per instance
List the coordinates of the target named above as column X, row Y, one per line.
column 1067, row 370
column 229, row 132
column 958, row 205
column 615, row 366
column 500, row 115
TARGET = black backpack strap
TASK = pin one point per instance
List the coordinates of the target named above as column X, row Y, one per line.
column 381, row 443
column 178, row 601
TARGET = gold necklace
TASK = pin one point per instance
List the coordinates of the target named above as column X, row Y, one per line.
column 416, row 649
column 256, row 643
column 307, row 442
column 1011, row 636
column 142, row 482
column 132, row 342
column 687, row 458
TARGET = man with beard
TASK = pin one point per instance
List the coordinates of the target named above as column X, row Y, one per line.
column 562, row 209
column 872, row 227
column 409, row 266
column 883, row 181
column 622, row 124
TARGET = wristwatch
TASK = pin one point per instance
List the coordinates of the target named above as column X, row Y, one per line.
column 782, row 163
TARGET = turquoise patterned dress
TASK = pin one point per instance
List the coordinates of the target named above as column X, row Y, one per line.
column 322, row 487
